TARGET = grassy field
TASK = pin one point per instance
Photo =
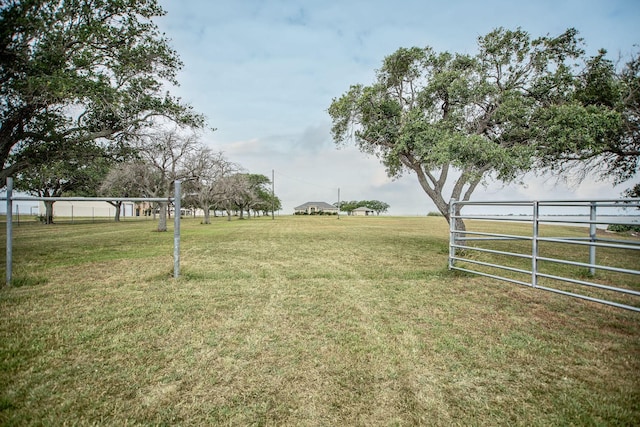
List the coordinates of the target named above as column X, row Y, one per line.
column 297, row 321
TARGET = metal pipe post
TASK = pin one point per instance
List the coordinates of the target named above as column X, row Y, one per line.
column 592, row 235
column 452, row 233
column 534, row 245
column 176, row 231
column 9, row 229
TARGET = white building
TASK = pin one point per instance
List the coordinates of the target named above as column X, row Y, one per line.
column 89, row 209
column 362, row 211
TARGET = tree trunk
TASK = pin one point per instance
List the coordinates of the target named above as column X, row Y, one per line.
column 207, row 216
column 48, row 212
column 162, row 221
column 118, row 206
column 435, row 193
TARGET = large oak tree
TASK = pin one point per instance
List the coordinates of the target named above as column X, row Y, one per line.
column 456, row 119
column 73, row 71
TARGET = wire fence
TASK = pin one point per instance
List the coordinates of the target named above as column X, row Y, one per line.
column 9, row 211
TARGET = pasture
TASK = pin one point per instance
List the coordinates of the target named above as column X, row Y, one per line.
column 296, row 321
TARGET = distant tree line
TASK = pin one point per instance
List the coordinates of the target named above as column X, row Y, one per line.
column 154, row 162
column 375, row 205
column 210, row 181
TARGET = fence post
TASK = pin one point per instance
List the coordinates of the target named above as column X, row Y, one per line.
column 452, row 232
column 534, row 245
column 592, row 235
column 176, row 230
column 9, row 229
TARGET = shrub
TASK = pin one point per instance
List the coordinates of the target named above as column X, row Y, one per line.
column 620, row 228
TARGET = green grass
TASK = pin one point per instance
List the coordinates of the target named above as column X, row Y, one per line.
column 297, row 321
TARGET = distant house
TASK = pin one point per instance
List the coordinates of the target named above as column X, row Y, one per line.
column 316, row 208
column 362, row 211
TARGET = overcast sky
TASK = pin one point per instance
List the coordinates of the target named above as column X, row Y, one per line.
column 265, row 72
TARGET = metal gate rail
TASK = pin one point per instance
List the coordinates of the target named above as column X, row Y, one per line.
column 460, row 243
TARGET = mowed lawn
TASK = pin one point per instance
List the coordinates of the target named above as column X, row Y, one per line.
column 296, row 321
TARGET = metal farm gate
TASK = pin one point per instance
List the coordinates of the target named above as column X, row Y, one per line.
column 560, row 246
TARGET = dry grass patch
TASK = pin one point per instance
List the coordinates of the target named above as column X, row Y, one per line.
column 299, row 321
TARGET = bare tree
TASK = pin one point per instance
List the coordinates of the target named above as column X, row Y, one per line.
column 164, row 155
column 209, row 179
column 231, row 193
column 247, row 191
column 125, row 180
column 205, row 169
